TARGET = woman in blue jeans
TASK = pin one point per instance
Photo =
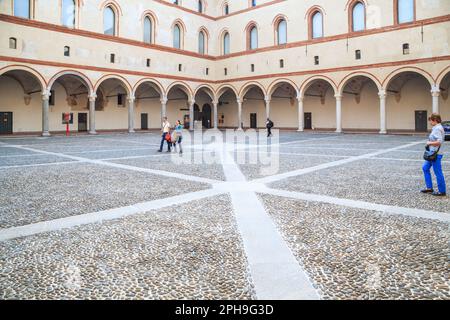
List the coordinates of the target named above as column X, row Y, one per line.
column 435, row 143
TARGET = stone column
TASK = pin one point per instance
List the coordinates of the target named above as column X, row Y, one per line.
column 435, row 93
column 92, row 99
column 239, row 102
column 301, row 115
column 267, row 101
column 191, row 115
column 45, row 110
column 164, row 101
column 131, row 114
column 216, row 115
column 338, row 113
column 382, row 95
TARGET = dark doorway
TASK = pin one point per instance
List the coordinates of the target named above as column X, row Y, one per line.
column 421, row 121
column 197, row 113
column 6, row 123
column 82, row 122
column 308, row 120
column 206, row 116
column 253, row 121
column 144, row 121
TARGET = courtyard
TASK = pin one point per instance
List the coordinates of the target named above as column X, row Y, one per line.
column 329, row 216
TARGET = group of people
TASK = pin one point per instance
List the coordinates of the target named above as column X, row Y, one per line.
column 173, row 138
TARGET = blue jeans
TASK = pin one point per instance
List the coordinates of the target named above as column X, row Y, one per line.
column 162, row 141
column 437, row 168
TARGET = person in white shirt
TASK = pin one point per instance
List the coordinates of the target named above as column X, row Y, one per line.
column 165, row 131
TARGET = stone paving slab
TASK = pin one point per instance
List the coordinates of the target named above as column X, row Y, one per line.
column 359, row 254
column 31, row 160
column 181, row 252
column 387, row 182
column 99, row 154
column 283, row 163
column 36, row 194
column 165, row 163
column 10, row 151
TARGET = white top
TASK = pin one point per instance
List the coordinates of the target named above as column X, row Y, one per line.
column 437, row 134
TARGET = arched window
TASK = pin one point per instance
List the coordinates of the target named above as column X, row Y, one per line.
column 148, row 29
column 68, row 13
column 226, row 43
column 177, row 37
column 109, row 21
column 282, row 32
column 200, row 6
column 226, row 9
column 317, row 25
column 253, row 38
column 22, row 8
column 358, row 17
column 201, row 42
column 405, row 11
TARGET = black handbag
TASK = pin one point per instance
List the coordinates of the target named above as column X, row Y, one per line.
column 430, row 155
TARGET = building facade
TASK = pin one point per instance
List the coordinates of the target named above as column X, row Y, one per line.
column 356, row 65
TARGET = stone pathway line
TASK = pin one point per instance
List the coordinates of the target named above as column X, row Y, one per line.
column 381, row 208
column 96, row 217
column 275, row 272
column 331, row 164
column 126, row 167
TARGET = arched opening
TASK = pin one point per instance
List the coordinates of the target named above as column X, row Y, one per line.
column 227, row 109
column 319, row 105
column 409, row 101
column 253, row 107
column 360, row 104
column 358, row 17
column 179, row 97
column 148, row 30
column 70, row 94
column 68, row 13
column 148, row 105
column 201, row 42
column 177, row 36
column 404, row 11
column 316, row 25
column 113, row 114
column 444, row 101
column 252, row 37
column 109, row 21
column 283, row 105
column 22, row 8
column 226, row 43
column 21, row 103
column 204, row 97
column 281, row 32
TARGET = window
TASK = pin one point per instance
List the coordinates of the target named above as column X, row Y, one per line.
column 358, row 17
column 226, row 9
column 149, row 62
column 148, row 29
column 358, row 54
column 67, row 51
column 68, row 13
column 253, row 34
column 175, row 2
column 406, row 48
column 405, row 11
column 281, row 63
column 200, row 6
column 201, row 42
column 317, row 25
column 226, row 43
column 22, row 9
column 282, row 32
column 120, row 99
column 207, row 71
column 252, row 67
column 12, row 43
column 109, row 21
column 253, row 3
column 180, row 67
column 177, row 37
column 316, row 60
column 225, row 71
column 112, row 58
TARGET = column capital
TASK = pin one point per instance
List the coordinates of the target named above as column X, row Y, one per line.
column 92, row 97
column 382, row 94
column 300, row 98
column 435, row 91
column 215, row 102
column 338, row 96
column 46, row 94
column 131, row 98
column 239, row 101
column 267, row 98
column 191, row 103
column 164, row 100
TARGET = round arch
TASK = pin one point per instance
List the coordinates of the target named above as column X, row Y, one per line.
column 40, row 78
column 416, row 70
column 308, row 82
column 84, row 79
column 154, row 82
column 246, row 88
column 350, row 76
column 224, row 88
column 275, row 84
column 442, row 75
column 208, row 89
column 184, row 87
column 124, row 82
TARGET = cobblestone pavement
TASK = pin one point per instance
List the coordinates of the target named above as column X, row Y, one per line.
column 108, row 217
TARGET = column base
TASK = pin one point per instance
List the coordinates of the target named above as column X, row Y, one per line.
column 131, row 131
column 383, row 132
column 93, row 132
column 300, row 130
column 45, row 134
column 338, row 131
column 240, row 129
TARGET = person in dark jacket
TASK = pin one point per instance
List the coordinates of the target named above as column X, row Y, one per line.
column 269, row 126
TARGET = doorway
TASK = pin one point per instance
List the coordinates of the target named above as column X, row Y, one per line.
column 6, row 123
column 206, row 116
column 308, row 120
column 144, row 121
column 421, row 121
column 82, row 122
column 253, row 121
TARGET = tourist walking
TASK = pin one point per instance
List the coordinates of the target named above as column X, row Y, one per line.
column 178, row 136
column 434, row 156
column 165, row 131
column 269, row 126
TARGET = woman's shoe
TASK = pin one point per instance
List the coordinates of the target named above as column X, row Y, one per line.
column 439, row 194
column 426, row 190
